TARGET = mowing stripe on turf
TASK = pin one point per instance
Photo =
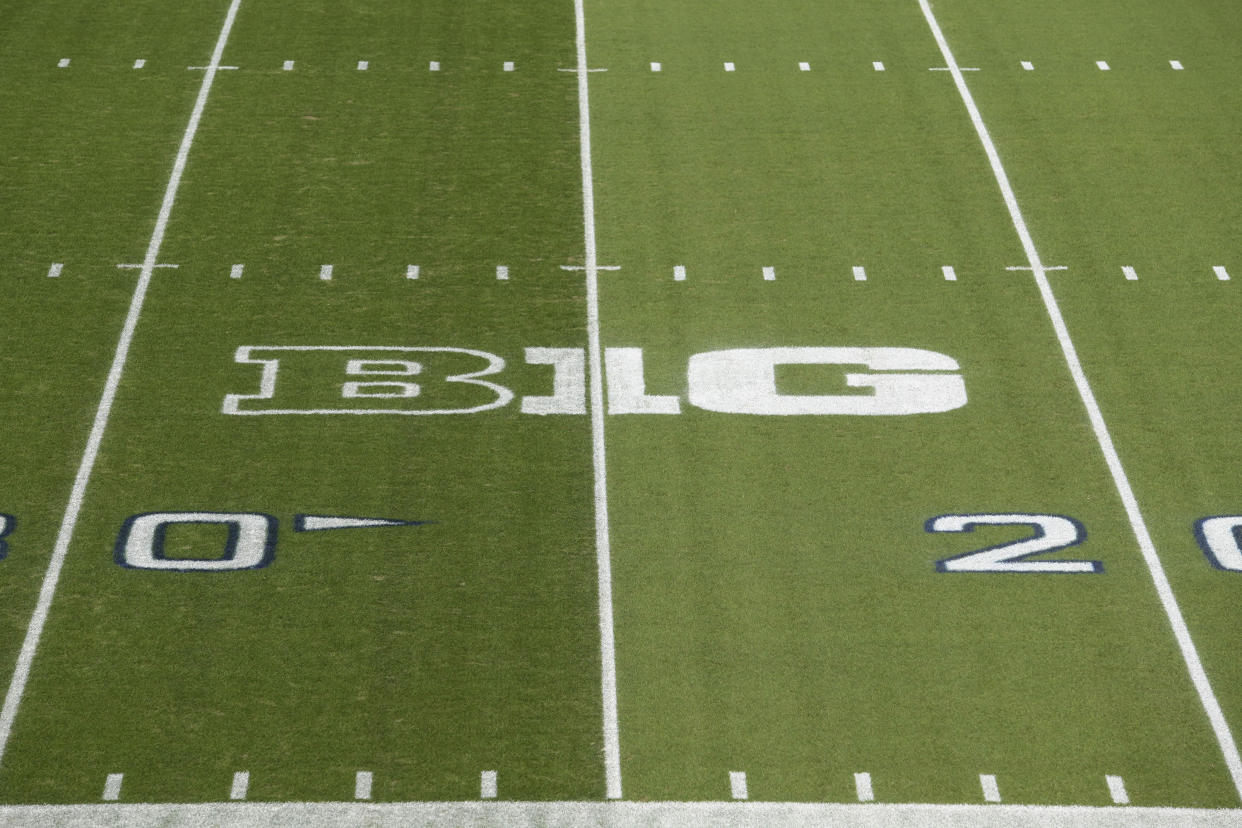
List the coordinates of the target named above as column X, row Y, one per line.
column 1181, row 632
column 603, row 544
column 21, row 672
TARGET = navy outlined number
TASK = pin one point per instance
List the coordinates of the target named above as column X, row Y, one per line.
column 251, row 541
column 1218, row 536
column 1052, row 533
column 7, row 524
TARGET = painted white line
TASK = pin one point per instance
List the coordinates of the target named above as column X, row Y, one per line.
column 434, row 66
column 679, row 273
column 364, row 65
column 1190, row 654
column 1117, row 790
column 950, row 275
column 1129, row 273
column 502, row 272
column 991, row 793
column 288, row 66
column 1176, row 64
column 737, row 785
column 487, row 785
column 411, row 272
column 862, row 786
column 362, row 785
column 1103, row 65
column 112, row 787
column 860, row 273
column 54, row 271
column 63, row 63
column 656, row 67
column 325, row 272
column 769, row 274
column 502, row 814
column 728, row 67
column 877, row 65
column 804, row 67
column 508, row 66
column 139, row 63
column 241, row 784
column 595, row 377
column 236, row 271
column 1221, row 273
column 1028, row 66
column 960, row 69
column 140, row 266
column 34, row 631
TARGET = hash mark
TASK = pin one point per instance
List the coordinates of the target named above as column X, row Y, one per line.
column 991, row 793
column 362, row 785
column 877, row 65
column 1176, row 64
column 679, row 273
column 804, row 67
column 1130, row 274
column 508, row 66
column 1221, row 273
column 656, row 67
column 1028, row 66
column 63, row 63
column 364, row 65
column 737, row 784
column 950, row 275
column 769, row 274
column 860, row 273
column 434, row 66
column 325, row 272
column 1117, row 790
column 411, row 272
column 53, row 272
column 862, row 785
column 241, row 784
column 288, row 66
column 487, row 785
column 112, row 787
column 139, row 63
column 1102, row 64
column 728, row 67
column 236, row 272
column 502, row 273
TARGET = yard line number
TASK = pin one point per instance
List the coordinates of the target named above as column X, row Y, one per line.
column 1052, row 534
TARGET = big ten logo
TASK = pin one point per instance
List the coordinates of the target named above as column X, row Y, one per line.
column 331, row 379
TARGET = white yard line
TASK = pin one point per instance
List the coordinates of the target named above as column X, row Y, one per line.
column 741, row 814
column 21, row 673
column 595, row 373
column 1198, row 676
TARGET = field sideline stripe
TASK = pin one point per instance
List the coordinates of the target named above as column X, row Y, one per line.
column 1181, row 632
column 34, row 631
column 619, row 814
column 603, row 544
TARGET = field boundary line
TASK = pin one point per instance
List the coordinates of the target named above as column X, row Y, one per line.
column 603, row 543
column 34, row 631
column 1190, row 654
column 619, row 814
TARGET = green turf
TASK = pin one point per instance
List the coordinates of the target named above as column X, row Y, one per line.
column 778, row 610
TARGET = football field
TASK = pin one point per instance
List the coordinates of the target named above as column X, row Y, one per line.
column 581, row 412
